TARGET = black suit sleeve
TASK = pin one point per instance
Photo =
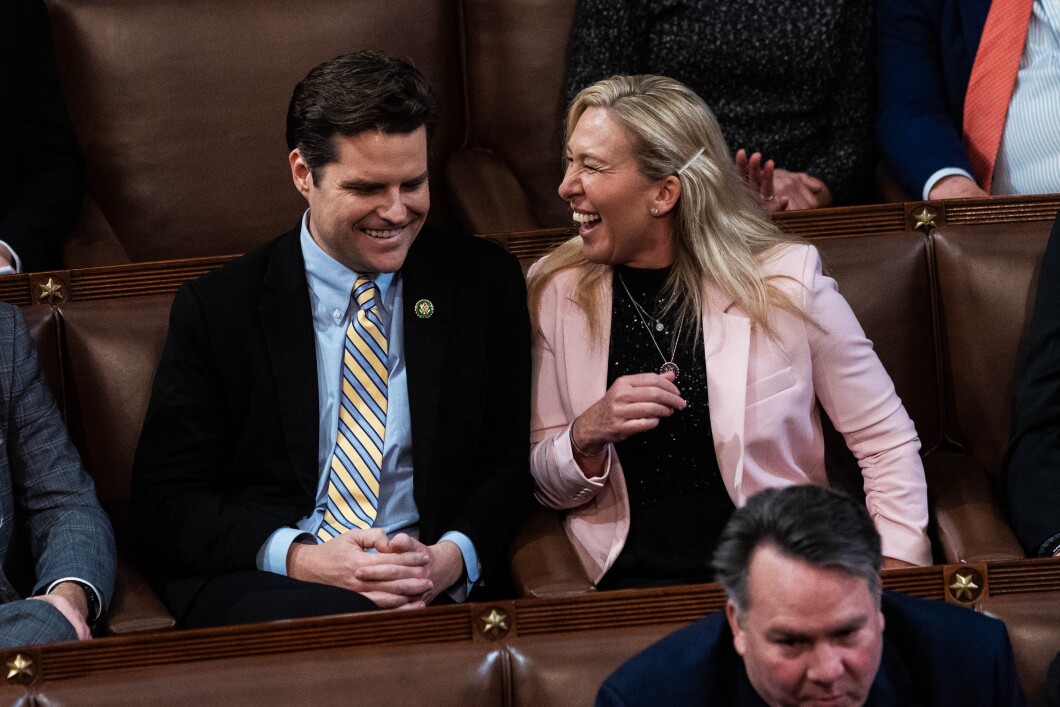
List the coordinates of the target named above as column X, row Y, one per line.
column 497, row 487
column 41, row 189
column 1033, row 462
column 187, row 513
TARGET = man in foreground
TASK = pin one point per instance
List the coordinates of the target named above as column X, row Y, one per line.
column 805, row 624
column 339, row 419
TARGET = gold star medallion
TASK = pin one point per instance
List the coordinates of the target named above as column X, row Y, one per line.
column 20, row 669
column 494, row 623
column 964, row 587
column 51, row 291
column 925, row 219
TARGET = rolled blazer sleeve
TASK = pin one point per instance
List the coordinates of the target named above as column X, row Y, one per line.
column 559, row 481
column 859, row 397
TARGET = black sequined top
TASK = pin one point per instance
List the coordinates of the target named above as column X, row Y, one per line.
column 678, row 503
column 792, row 79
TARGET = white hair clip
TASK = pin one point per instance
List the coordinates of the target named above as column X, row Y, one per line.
column 690, row 161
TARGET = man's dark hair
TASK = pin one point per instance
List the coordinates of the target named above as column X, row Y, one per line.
column 352, row 93
column 819, row 526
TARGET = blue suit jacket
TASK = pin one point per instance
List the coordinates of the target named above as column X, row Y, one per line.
column 47, row 501
column 925, row 51
column 934, row 654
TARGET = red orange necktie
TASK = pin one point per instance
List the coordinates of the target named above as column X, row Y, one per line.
column 991, row 84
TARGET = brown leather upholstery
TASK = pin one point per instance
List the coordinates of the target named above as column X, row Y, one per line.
column 111, row 349
column 553, row 669
column 428, row 675
column 886, row 278
column 987, row 278
column 44, row 330
column 180, row 109
column 516, row 53
column 1032, row 623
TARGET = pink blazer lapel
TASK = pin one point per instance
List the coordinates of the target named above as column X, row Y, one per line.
column 586, row 371
column 726, row 345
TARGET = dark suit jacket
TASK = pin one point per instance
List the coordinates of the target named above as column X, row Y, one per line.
column 48, row 506
column 1033, row 460
column 228, row 451
column 921, row 666
column 925, row 51
column 42, row 180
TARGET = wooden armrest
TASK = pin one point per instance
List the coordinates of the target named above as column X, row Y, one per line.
column 486, row 195
column 543, row 560
column 970, row 522
column 135, row 607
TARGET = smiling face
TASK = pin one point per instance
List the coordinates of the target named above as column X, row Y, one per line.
column 370, row 203
column 811, row 635
column 611, row 200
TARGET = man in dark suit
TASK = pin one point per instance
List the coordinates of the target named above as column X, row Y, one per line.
column 926, row 50
column 41, row 179
column 56, row 544
column 804, row 624
column 303, row 453
column 1032, row 463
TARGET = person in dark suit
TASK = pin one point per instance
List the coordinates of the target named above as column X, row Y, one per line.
column 805, row 624
column 42, row 177
column 306, row 454
column 51, row 525
column 926, row 50
column 1033, row 457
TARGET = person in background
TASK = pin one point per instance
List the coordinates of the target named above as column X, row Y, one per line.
column 791, row 83
column 682, row 343
column 969, row 91
column 41, row 179
column 806, row 622
column 49, row 502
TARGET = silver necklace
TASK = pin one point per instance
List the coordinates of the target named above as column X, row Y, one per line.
column 668, row 363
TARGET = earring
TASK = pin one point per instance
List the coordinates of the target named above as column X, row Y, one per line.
column 655, row 212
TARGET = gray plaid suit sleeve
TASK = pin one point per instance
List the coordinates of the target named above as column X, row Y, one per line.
column 43, row 486
column 27, row 623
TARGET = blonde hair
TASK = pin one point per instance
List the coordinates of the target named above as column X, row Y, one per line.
column 719, row 232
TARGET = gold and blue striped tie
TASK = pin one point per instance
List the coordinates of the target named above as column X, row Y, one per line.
column 353, row 482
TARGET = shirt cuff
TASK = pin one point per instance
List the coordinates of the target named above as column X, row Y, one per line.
column 938, row 177
column 16, row 265
column 272, row 557
column 1051, row 547
column 84, row 583
column 458, row 592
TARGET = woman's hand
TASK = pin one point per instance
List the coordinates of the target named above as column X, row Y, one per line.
column 780, row 189
column 759, row 176
column 631, row 405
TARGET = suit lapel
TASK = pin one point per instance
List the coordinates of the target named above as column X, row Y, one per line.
column 425, row 348
column 287, row 321
column 585, row 390
column 726, row 344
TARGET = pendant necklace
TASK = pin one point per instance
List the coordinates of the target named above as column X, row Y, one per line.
column 668, row 365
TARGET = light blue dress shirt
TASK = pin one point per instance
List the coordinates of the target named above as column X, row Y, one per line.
column 330, row 289
column 1028, row 158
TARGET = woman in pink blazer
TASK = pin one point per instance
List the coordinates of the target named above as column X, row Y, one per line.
column 682, row 344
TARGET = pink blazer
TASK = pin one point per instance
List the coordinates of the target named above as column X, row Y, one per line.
column 763, row 413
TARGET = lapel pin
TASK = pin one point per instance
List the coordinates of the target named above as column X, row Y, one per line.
column 424, row 309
